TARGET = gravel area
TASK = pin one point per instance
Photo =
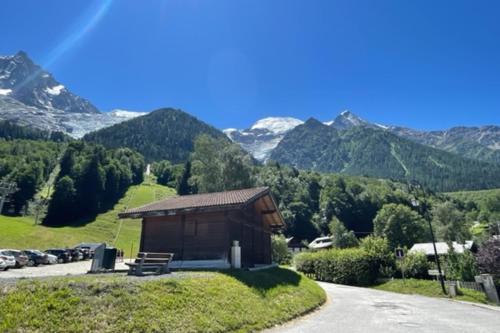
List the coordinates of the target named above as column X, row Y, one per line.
column 72, row 268
column 81, row 268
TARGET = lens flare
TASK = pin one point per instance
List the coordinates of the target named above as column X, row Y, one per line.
column 87, row 23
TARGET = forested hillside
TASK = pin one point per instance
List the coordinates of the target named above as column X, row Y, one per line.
column 28, row 163
column 91, row 180
column 377, row 153
column 165, row 134
column 10, row 131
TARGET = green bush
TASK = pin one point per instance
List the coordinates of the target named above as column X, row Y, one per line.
column 351, row 266
column 460, row 266
column 280, row 252
column 414, row 265
column 378, row 248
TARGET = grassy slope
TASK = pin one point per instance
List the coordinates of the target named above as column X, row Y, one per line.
column 230, row 301
column 20, row 232
column 478, row 197
column 429, row 288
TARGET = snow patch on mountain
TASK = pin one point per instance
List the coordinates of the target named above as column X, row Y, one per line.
column 277, row 125
column 5, row 92
column 126, row 114
column 55, row 90
column 263, row 136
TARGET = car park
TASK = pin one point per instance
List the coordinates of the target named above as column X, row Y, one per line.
column 63, row 255
column 36, row 257
column 9, row 259
column 20, row 257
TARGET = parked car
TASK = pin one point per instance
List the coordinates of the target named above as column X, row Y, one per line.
column 85, row 252
column 52, row 259
column 3, row 265
column 9, row 259
column 321, row 243
column 62, row 255
column 36, row 257
column 76, row 255
column 91, row 247
column 21, row 259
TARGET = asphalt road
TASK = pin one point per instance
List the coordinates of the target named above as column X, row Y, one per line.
column 351, row 309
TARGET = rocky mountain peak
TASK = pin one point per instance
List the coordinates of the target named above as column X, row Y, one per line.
column 31, row 85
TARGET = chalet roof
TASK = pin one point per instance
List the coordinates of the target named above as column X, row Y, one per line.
column 205, row 202
column 441, row 247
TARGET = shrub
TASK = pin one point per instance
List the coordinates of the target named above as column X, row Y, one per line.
column 414, row 265
column 353, row 266
column 378, row 248
column 460, row 266
column 280, row 252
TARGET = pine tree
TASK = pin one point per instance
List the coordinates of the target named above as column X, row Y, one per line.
column 183, row 188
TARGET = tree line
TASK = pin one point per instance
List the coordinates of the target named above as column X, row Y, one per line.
column 91, row 180
column 315, row 204
column 27, row 163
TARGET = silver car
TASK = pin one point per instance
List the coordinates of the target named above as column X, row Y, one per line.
column 9, row 259
column 52, row 259
column 3, row 265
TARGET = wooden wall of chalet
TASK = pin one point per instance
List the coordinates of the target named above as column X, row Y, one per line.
column 206, row 236
column 248, row 227
column 190, row 237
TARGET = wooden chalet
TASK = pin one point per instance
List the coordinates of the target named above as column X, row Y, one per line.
column 204, row 226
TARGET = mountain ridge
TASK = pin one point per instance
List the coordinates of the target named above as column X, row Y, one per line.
column 475, row 142
column 377, row 153
column 163, row 134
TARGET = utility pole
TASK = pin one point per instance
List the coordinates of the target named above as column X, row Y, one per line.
column 436, row 257
column 415, row 203
column 6, row 189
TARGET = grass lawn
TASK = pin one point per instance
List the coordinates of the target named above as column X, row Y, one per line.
column 22, row 233
column 225, row 301
column 429, row 288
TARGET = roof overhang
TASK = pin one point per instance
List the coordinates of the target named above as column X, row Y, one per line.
column 263, row 201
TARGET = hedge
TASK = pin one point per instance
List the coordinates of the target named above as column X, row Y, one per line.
column 352, row 266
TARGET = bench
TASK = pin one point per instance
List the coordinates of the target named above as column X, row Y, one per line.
column 150, row 262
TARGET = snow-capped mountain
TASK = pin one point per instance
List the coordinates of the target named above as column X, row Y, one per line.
column 482, row 143
column 31, row 96
column 28, row 83
column 346, row 119
column 263, row 136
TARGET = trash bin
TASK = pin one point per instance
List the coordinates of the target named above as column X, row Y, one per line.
column 109, row 258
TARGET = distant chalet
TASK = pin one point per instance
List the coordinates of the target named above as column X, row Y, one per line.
column 204, row 226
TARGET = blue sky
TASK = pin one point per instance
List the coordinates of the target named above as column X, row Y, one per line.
column 425, row 64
